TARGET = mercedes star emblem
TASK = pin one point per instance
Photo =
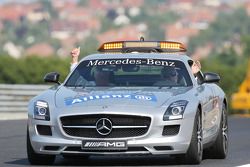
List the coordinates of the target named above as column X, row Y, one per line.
column 104, row 126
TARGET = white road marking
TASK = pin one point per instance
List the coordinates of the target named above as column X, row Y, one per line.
column 247, row 165
column 13, row 116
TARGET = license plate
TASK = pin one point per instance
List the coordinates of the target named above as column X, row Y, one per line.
column 104, row 145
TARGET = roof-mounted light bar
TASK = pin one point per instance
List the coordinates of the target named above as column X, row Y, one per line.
column 142, row 46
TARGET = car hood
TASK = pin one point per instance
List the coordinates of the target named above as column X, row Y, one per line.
column 107, row 96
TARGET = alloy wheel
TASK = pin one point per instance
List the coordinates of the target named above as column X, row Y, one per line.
column 224, row 130
column 199, row 137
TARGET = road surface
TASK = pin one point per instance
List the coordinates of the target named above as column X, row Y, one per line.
column 13, row 149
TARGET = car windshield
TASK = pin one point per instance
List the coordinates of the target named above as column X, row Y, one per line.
column 130, row 72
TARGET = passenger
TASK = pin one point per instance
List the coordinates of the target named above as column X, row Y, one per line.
column 196, row 67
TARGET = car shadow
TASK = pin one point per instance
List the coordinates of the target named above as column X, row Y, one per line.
column 108, row 161
column 22, row 162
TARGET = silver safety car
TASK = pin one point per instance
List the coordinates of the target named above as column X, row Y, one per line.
column 133, row 98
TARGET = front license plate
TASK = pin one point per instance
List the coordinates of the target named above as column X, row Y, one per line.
column 104, row 145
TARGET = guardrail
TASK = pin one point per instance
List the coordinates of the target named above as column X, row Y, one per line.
column 15, row 98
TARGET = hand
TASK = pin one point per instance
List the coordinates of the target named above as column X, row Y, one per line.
column 75, row 54
column 196, row 67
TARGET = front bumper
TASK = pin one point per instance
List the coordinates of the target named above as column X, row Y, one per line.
column 153, row 142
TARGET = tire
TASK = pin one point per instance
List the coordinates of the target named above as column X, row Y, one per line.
column 37, row 159
column 195, row 150
column 219, row 149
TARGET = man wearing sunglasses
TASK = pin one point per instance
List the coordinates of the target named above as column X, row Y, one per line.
column 169, row 77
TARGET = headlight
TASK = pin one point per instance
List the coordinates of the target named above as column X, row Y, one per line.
column 175, row 110
column 41, row 111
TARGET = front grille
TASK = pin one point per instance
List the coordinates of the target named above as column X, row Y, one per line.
column 123, row 125
column 171, row 130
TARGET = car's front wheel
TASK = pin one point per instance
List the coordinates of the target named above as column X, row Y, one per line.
column 195, row 150
column 38, row 159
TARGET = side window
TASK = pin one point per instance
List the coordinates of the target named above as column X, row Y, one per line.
column 199, row 77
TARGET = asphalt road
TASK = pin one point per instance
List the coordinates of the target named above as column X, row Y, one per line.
column 13, row 149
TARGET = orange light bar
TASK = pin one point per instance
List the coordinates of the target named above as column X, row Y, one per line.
column 172, row 45
column 113, row 45
column 160, row 46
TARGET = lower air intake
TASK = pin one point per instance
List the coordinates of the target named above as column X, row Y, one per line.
column 171, row 130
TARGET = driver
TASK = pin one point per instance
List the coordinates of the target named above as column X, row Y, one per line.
column 169, row 76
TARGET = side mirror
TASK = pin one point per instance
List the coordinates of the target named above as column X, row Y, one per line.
column 52, row 77
column 210, row 77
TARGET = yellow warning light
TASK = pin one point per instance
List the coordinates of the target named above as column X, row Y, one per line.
column 172, row 45
column 114, row 45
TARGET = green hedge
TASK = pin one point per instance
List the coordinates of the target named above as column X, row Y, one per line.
column 31, row 70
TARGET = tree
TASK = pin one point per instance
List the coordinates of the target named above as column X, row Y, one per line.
column 226, row 27
column 30, row 70
column 246, row 46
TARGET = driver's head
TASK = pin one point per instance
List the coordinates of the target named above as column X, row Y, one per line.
column 170, row 73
